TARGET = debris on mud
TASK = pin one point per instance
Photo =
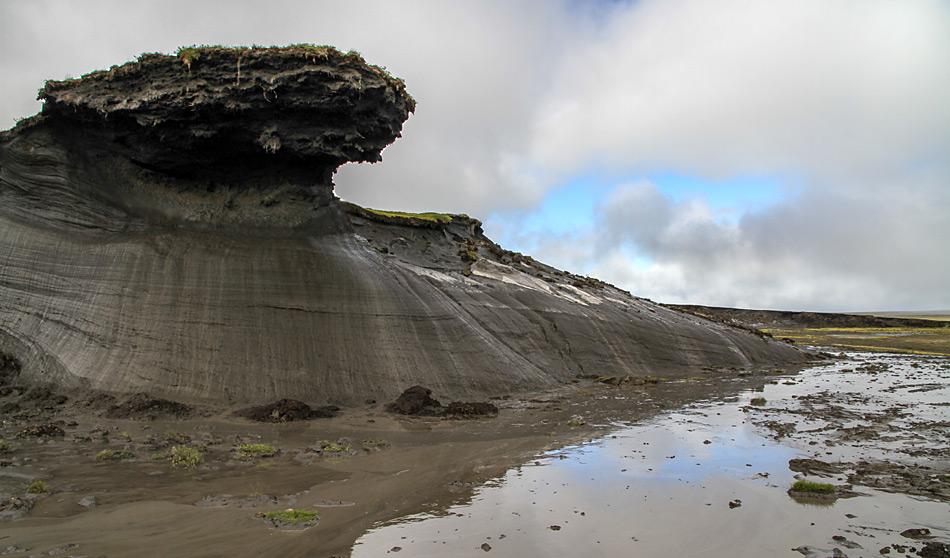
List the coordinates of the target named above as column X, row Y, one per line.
column 286, row 410
column 41, row 431
column 470, row 409
column 16, row 507
column 816, row 467
column 624, row 380
column 142, row 406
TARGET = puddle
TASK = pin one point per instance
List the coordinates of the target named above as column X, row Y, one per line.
column 664, row 487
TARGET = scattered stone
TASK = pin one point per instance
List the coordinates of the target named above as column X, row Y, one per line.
column 555, row 527
column 486, row 547
column 737, row 503
column 916, row 534
column 88, row 502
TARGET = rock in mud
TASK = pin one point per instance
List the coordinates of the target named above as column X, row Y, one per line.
column 916, row 534
column 418, row 401
column 142, row 406
column 934, row 550
column 287, row 410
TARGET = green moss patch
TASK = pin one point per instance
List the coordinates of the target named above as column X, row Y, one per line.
column 813, row 487
column 184, row 457
column 428, row 216
column 251, row 451
column 114, row 455
column 291, row 518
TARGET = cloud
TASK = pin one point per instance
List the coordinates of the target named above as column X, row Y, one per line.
column 884, row 249
column 812, row 87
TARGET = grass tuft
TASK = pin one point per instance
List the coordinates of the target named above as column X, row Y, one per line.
column 813, row 487
column 292, row 516
column 428, row 216
column 334, row 447
column 250, row 451
column 37, row 487
column 185, row 457
column 757, row 401
column 4, row 446
column 114, row 455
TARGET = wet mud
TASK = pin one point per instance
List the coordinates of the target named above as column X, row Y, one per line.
column 685, row 467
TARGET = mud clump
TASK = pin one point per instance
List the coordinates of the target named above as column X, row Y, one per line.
column 470, row 409
column 416, row 401
column 142, row 406
column 286, row 410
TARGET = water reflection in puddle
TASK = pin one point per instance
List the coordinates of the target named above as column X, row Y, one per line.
column 664, row 487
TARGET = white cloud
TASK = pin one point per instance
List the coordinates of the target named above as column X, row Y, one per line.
column 823, row 87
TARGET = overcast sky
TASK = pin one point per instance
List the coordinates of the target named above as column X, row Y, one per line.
column 773, row 154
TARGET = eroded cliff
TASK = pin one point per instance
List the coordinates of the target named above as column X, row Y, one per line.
column 169, row 226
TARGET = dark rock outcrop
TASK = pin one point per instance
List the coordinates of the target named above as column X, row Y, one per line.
column 418, row 401
column 144, row 406
column 286, row 410
column 169, row 226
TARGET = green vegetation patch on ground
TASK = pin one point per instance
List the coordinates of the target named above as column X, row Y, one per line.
column 813, row 487
column 185, row 457
column 922, row 341
column 37, row 487
column 428, row 216
column 292, row 516
column 250, row 451
column 114, row 455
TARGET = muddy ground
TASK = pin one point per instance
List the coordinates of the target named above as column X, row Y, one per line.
column 116, row 487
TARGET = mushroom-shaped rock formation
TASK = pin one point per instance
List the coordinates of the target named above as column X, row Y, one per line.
column 169, row 226
column 214, row 106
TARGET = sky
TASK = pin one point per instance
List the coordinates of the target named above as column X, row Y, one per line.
column 786, row 154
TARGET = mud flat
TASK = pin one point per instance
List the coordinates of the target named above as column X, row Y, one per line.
column 700, row 466
column 714, row 478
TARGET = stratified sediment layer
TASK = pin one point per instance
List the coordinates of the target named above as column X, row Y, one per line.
column 169, row 226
